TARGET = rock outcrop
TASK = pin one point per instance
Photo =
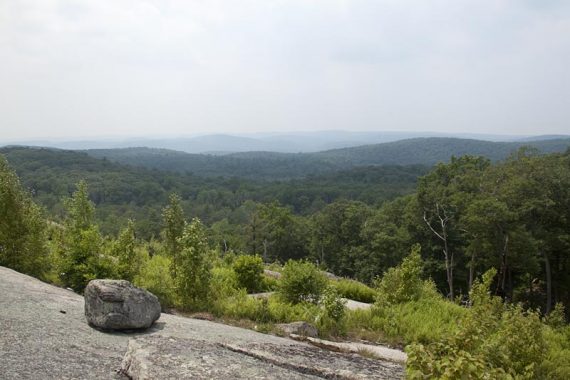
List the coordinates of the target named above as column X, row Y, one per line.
column 299, row 328
column 43, row 335
column 158, row 357
column 119, row 305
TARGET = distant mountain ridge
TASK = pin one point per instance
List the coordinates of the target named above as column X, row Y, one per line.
column 275, row 165
column 294, row 142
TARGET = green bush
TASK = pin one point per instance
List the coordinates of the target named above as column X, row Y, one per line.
column 330, row 320
column 283, row 312
column 155, row 276
column 556, row 318
column 556, row 365
column 224, row 283
column 269, row 284
column 192, row 267
column 302, row 281
column 354, row 290
column 402, row 283
column 494, row 341
column 271, row 310
column 426, row 320
column 249, row 272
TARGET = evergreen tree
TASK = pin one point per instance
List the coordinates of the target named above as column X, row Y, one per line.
column 22, row 227
column 123, row 249
column 81, row 257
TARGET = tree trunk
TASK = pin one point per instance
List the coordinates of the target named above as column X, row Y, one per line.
column 449, row 271
column 503, row 272
column 548, row 283
column 265, row 250
column 443, row 220
column 471, row 269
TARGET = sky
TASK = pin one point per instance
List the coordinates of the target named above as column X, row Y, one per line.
column 93, row 68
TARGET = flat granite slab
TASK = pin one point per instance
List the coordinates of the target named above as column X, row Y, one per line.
column 44, row 335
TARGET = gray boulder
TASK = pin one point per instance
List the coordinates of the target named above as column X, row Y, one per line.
column 299, row 328
column 119, row 305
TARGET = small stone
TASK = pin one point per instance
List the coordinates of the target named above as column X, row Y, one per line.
column 299, row 328
column 119, row 305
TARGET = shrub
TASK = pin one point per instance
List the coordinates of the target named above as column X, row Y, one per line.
column 269, row 284
column 556, row 365
column 155, row 276
column 283, row 312
column 224, row 283
column 301, row 281
column 402, row 283
column 331, row 317
column 242, row 306
column 354, row 290
column 494, row 341
column 192, row 268
column 249, row 272
column 426, row 320
column 556, row 318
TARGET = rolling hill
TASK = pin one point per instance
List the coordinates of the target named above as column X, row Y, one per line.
column 273, row 165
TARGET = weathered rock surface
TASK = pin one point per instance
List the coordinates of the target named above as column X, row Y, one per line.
column 154, row 357
column 356, row 305
column 159, row 357
column 119, row 305
column 43, row 335
column 350, row 304
column 381, row 352
column 299, row 328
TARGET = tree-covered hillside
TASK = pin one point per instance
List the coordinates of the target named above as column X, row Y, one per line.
column 121, row 192
column 271, row 165
column 431, row 150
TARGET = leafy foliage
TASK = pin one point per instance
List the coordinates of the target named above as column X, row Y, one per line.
column 22, row 227
column 331, row 318
column 82, row 259
column 192, row 269
column 354, row 290
column 155, row 277
column 129, row 258
column 302, row 281
column 494, row 340
column 249, row 272
column 173, row 219
column 402, row 283
column 556, row 318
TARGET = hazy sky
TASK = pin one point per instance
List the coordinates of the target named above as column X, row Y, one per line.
column 119, row 67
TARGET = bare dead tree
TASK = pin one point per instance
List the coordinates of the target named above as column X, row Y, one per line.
column 443, row 218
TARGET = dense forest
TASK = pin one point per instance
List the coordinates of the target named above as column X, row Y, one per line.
column 121, row 192
column 473, row 240
column 272, row 166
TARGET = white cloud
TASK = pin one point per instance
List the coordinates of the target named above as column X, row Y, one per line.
column 101, row 67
